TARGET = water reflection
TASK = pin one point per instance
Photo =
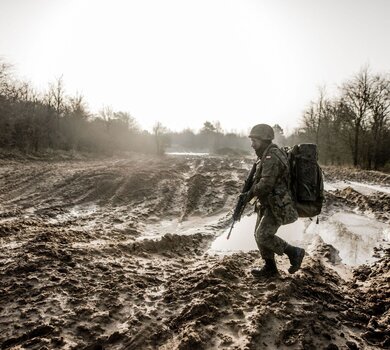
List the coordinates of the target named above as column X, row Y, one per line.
column 353, row 235
column 242, row 237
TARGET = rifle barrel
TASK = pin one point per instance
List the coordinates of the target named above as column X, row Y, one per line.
column 241, row 203
column 231, row 228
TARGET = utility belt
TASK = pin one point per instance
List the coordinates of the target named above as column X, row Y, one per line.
column 257, row 205
column 281, row 206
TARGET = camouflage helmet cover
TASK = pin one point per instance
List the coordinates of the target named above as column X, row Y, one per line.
column 262, row 132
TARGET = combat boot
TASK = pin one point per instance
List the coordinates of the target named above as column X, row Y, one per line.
column 268, row 270
column 295, row 255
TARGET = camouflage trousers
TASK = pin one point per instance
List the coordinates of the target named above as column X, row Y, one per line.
column 265, row 230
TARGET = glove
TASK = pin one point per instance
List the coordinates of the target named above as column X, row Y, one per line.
column 246, row 196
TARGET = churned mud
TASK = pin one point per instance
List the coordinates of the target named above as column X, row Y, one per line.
column 132, row 254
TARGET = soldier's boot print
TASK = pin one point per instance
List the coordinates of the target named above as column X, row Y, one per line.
column 268, row 270
column 295, row 255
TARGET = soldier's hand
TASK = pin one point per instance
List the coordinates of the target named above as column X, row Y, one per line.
column 243, row 196
column 246, row 196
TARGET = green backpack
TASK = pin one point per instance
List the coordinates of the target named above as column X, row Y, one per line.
column 306, row 179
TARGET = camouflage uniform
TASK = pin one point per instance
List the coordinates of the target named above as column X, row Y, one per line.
column 273, row 204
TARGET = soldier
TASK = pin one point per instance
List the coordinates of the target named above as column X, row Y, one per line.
column 273, row 203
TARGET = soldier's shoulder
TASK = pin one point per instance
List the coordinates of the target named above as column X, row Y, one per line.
column 276, row 154
column 276, row 151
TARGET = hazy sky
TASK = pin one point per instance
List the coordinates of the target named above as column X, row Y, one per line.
column 181, row 62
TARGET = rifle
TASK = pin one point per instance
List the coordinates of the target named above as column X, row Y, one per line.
column 242, row 199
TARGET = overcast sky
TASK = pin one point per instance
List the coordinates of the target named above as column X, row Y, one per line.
column 180, row 62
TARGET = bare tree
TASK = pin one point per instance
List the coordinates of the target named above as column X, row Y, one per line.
column 128, row 121
column 356, row 96
column 314, row 115
column 379, row 118
column 5, row 76
column 310, row 120
column 107, row 115
column 75, row 121
column 209, row 135
column 56, row 95
column 161, row 138
column 279, row 135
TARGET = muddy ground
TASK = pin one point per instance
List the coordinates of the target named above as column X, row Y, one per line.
column 115, row 254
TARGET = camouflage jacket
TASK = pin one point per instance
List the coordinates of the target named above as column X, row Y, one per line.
column 271, row 184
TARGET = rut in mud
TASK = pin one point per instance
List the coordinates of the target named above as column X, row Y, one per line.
column 115, row 254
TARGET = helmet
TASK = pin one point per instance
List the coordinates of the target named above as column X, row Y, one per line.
column 262, row 132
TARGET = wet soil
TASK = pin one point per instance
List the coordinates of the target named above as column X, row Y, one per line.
column 87, row 261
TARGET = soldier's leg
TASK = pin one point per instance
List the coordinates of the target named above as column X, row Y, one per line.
column 266, row 238
column 269, row 269
column 269, row 243
column 264, row 251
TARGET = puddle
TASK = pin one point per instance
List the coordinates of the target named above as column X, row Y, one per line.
column 365, row 189
column 96, row 243
column 187, row 227
column 78, row 212
column 353, row 235
column 242, row 237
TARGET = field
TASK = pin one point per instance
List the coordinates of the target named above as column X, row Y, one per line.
column 130, row 253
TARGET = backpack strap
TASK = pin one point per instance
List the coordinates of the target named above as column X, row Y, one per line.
column 286, row 164
column 260, row 160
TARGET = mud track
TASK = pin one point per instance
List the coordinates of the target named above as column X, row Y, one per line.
column 87, row 263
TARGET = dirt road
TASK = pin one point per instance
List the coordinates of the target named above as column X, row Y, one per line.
column 115, row 254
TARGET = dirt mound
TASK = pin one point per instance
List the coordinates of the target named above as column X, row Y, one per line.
column 223, row 307
column 371, row 294
column 352, row 174
column 196, row 188
column 189, row 303
column 151, row 187
column 377, row 203
column 172, row 244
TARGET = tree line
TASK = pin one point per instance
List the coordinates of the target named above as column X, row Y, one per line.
column 32, row 121
column 351, row 128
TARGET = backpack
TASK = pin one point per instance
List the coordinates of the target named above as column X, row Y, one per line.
column 306, row 179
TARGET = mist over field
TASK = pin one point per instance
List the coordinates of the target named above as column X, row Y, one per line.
column 351, row 128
